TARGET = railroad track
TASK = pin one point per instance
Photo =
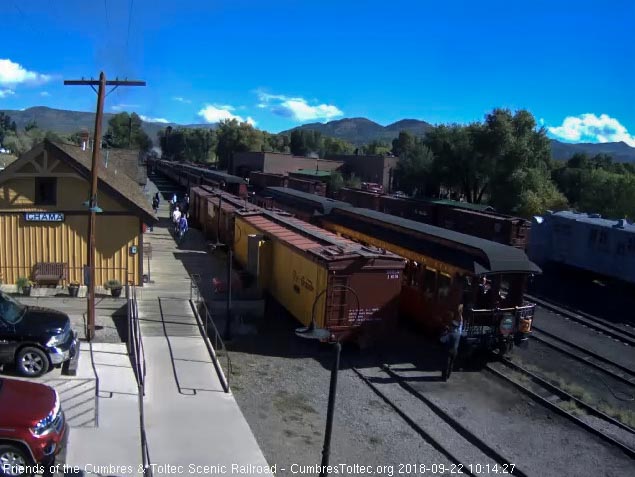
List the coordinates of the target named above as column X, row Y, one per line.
column 627, row 373
column 618, row 372
column 441, row 428
column 623, row 334
column 505, row 369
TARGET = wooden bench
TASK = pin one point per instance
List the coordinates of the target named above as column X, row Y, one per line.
column 50, row 273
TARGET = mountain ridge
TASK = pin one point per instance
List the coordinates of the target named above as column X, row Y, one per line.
column 357, row 131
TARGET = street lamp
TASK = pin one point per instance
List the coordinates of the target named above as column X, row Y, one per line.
column 322, row 334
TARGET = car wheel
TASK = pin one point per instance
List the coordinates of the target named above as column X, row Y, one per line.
column 14, row 461
column 32, row 362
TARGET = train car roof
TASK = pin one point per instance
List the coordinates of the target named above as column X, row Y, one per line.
column 325, row 245
column 465, row 251
column 594, row 219
column 323, row 204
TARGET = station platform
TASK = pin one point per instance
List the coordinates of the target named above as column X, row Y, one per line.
column 190, row 422
column 192, row 426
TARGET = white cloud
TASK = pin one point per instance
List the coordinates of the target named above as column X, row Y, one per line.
column 45, row 94
column 216, row 113
column 591, row 128
column 181, row 99
column 13, row 73
column 149, row 119
column 297, row 108
column 5, row 93
column 122, row 107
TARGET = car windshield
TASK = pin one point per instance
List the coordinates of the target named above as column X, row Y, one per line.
column 10, row 310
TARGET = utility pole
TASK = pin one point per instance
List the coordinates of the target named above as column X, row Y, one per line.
column 92, row 200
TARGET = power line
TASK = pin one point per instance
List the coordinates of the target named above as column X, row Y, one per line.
column 106, row 15
column 129, row 22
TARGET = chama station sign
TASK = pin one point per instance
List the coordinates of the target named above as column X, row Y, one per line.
column 44, row 217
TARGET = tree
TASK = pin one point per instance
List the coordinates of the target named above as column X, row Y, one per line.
column 538, row 193
column 124, row 131
column 610, row 194
column 335, row 182
column 233, row 137
column 30, row 125
column 353, row 182
column 376, row 148
column 414, row 172
column 333, row 147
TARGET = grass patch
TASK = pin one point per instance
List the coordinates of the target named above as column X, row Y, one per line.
column 624, row 416
column 571, row 407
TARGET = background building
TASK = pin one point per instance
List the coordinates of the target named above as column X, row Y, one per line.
column 43, row 218
column 378, row 169
column 277, row 163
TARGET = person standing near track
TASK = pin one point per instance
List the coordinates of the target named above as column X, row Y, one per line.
column 451, row 339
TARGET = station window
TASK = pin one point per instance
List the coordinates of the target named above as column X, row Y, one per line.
column 445, row 283
column 429, row 282
column 603, row 237
column 46, row 191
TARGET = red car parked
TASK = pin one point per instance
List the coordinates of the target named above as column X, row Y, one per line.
column 32, row 427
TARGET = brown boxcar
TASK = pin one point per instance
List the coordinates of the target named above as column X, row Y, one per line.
column 315, row 275
column 310, row 187
column 198, row 205
column 262, row 180
column 499, row 228
column 360, row 198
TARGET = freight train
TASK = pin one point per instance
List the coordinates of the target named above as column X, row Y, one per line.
column 448, row 276
column 587, row 242
column 323, row 280
column 473, row 219
column 188, row 175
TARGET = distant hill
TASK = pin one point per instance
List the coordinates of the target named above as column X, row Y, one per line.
column 361, row 131
column 620, row 151
column 357, row 131
column 68, row 122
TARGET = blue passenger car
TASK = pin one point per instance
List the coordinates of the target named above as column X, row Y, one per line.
column 586, row 242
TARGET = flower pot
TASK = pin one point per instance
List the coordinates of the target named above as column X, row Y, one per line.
column 73, row 290
column 26, row 290
column 115, row 292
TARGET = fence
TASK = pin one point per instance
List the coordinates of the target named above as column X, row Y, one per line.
column 138, row 360
column 215, row 343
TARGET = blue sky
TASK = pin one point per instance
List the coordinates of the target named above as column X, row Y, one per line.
column 286, row 62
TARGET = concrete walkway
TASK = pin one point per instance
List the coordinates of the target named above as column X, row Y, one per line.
column 189, row 420
column 113, row 447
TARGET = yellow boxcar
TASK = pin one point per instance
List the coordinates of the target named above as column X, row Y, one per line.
column 316, row 275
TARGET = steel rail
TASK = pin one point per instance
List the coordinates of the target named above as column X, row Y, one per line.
column 558, row 410
column 584, row 350
column 455, row 425
column 591, row 321
column 585, row 360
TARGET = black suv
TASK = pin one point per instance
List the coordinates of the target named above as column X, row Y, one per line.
column 34, row 338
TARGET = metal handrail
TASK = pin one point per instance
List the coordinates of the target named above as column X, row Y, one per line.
column 224, row 377
column 136, row 349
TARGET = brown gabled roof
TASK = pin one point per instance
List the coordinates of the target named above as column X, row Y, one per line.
column 126, row 161
column 119, row 184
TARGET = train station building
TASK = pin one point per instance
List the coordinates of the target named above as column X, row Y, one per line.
column 44, row 218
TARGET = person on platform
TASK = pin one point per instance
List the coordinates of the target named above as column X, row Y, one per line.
column 176, row 215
